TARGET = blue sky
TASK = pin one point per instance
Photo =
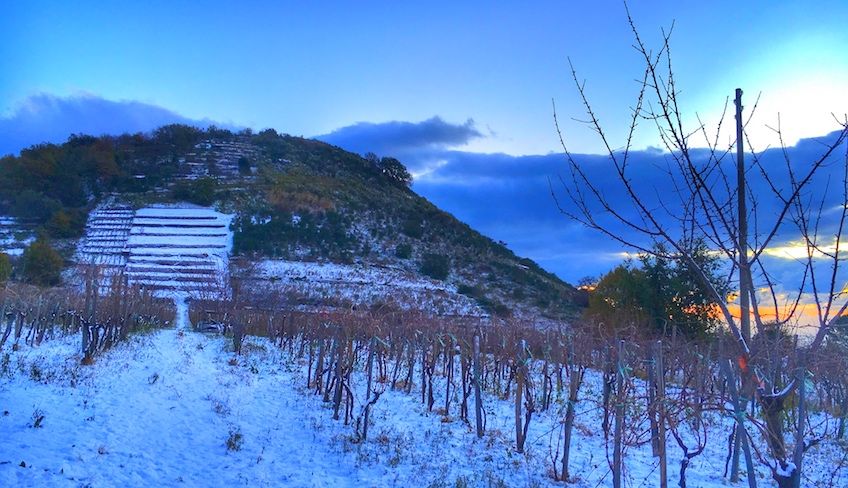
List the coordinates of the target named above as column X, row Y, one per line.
column 475, row 77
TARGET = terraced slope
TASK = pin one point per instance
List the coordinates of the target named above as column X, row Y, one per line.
column 179, row 249
column 106, row 237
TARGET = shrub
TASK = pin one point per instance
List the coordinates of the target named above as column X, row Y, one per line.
column 435, row 266
column 235, row 440
column 65, row 224
column 41, row 264
column 412, row 227
column 5, row 267
column 200, row 191
column 244, row 166
column 403, row 251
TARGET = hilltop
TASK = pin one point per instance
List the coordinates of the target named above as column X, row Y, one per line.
column 291, row 199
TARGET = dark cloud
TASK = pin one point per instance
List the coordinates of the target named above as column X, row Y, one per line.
column 509, row 197
column 48, row 118
column 399, row 139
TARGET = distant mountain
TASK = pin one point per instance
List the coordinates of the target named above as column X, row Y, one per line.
column 292, row 199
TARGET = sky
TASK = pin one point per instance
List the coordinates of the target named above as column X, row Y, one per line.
column 461, row 92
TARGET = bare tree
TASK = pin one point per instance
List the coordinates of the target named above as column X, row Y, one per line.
column 705, row 197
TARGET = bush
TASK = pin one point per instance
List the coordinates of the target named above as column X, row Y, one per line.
column 494, row 307
column 235, row 440
column 41, row 264
column 403, row 251
column 5, row 267
column 243, row 166
column 200, row 191
column 471, row 291
column 412, row 227
column 65, row 224
column 435, row 266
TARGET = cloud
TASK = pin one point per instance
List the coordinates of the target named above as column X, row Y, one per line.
column 399, row 139
column 49, row 118
column 509, row 198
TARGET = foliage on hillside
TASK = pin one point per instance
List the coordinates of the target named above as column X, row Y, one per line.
column 306, row 200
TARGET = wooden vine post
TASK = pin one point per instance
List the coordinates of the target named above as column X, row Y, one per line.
column 478, row 400
column 519, row 394
column 575, row 378
column 659, row 378
column 619, row 418
column 369, row 373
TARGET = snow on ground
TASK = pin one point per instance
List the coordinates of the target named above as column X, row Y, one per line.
column 363, row 284
column 160, row 409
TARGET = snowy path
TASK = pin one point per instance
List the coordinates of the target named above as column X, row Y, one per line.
column 159, row 414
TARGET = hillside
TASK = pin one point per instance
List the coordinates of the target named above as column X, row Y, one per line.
column 291, row 199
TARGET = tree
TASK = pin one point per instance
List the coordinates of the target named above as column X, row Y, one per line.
column 395, row 171
column 65, row 224
column 41, row 264
column 706, row 195
column 659, row 295
column 33, row 206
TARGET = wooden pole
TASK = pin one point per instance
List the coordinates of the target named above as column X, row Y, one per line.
column 370, row 369
column 659, row 377
column 478, row 401
column 575, row 377
column 798, row 455
column 619, row 418
column 519, row 392
column 742, row 238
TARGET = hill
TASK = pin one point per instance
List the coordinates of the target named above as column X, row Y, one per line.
column 291, row 198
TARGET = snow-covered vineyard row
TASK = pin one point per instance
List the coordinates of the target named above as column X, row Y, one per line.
column 180, row 249
column 176, row 407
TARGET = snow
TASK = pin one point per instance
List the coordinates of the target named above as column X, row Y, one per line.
column 14, row 236
column 169, row 248
column 159, row 409
column 363, row 284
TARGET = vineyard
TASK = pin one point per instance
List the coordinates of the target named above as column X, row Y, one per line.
column 564, row 405
column 678, row 400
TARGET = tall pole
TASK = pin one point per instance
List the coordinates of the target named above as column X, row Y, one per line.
column 742, row 237
column 478, row 402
